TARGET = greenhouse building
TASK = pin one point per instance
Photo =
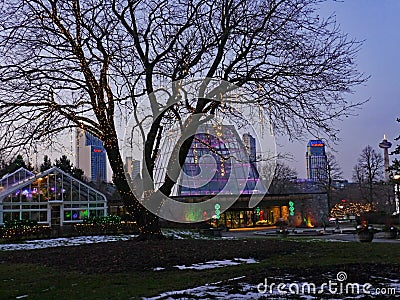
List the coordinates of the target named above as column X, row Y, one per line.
column 52, row 197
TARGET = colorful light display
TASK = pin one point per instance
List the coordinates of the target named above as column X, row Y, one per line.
column 217, row 211
column 291, row 208
column 346, row 208
column 33, row 198
column 233, row 159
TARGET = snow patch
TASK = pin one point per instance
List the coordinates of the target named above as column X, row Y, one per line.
column 65, row 242
column 217, row 264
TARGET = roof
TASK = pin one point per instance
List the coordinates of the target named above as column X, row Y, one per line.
column 34, row 177
column 10, row 179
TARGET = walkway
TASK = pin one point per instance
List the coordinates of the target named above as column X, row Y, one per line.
column 343, row 234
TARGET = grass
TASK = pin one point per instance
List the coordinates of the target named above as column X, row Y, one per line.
column 337, row 253
column 40, row 282
column 47, row 283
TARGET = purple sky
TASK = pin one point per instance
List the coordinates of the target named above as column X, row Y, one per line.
column 378, row 23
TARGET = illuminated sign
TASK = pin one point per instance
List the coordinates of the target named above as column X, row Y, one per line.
column 97, row 150
column 291, row 208
column 217, row 211
column 316, row 143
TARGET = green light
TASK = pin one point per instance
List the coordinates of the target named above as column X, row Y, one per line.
column 217, row 211
column 291, row 208
column 83, row 214
column 193, row 214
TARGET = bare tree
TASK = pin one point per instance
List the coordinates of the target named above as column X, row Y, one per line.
column 85, row 64
column 368, row 171
column 394, row 170
column 396, row 162
column 333, row 172
column 283, row 180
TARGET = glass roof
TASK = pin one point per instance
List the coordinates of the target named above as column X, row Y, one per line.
column 50, row 185
column 9, row 180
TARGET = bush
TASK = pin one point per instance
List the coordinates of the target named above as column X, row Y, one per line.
column 16, row 230
column 102, row 220
column 20, row 223
column 105, row 225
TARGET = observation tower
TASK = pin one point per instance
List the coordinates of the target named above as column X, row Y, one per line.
column 385, row 145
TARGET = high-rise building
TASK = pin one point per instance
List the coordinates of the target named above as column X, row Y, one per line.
column 132, row 167
column 91, row 156
column 316, row 161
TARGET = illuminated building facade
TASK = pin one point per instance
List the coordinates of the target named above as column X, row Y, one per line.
column 91, row 156
column 52, row 197
column 316, row 161
column 222, row 162
column 219, row 162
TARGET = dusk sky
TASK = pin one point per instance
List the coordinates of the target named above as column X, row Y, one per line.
column 378, row 23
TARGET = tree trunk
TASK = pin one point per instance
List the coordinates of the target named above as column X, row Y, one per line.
column 329, row 195
column 148, row 223
column 370, row 193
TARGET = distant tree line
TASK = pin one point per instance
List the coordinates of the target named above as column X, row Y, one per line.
column 368, row 172
column 395, row 167
column 63, row 163
column 7, row 167
column 368, row 181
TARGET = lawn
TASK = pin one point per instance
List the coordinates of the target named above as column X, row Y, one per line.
column 124, row 270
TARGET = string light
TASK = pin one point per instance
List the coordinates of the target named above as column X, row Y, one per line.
column 346, row 208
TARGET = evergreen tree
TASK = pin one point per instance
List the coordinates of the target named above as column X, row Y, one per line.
column 18, row 163
column 78, row 173
column 64, row 164
column 4, row 167
column 13, row 166
column 46, row 164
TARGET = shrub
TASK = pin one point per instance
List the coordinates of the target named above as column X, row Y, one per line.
column 102, row 220
column 16, row 230
column 20, row 223
column 105, row 225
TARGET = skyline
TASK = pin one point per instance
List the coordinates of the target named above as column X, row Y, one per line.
column 376, row 23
